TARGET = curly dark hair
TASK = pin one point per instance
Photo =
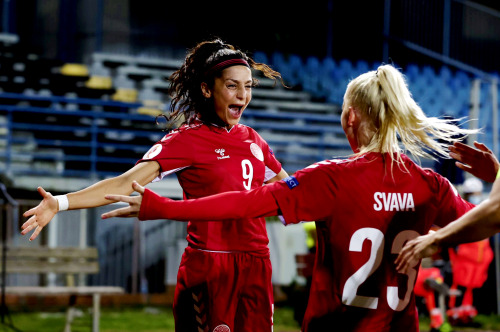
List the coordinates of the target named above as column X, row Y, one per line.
column 185, row 83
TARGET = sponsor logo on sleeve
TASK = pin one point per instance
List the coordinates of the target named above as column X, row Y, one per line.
column 291, row 182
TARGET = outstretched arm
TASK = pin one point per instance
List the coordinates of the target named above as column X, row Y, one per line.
column 479, row 161
column 233, row 205
column 479, row 223
column 91, row 196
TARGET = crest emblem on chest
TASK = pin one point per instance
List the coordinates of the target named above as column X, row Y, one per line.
column 257, row 151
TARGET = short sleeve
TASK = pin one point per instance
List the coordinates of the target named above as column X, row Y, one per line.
column 273, row 166
column 173, row 153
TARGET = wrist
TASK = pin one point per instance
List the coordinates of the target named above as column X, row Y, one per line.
column 62, row 201
column 437, row 239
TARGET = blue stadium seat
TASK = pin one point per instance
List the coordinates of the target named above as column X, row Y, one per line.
column 296, row 70
column 361, row 67
column 260, row 57
column 312, row 74
column 428, row 73
column 412, row 72
column 445, row 74
column 345, row 67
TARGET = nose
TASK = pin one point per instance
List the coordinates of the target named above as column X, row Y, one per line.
column 242, row 93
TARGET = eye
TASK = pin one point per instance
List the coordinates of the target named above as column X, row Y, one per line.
column 231, row 86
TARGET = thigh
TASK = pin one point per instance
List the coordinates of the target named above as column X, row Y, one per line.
column 256, row 304
column 206, row 295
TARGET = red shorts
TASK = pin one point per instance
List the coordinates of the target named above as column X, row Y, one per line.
column 223, row 292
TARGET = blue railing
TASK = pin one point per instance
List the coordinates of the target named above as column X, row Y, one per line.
column 84, row 147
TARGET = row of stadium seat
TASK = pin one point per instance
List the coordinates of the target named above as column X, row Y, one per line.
column 439, row 92
column 301, row 122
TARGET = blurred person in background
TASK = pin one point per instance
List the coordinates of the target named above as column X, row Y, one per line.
column 224, row 279
column 365, row 207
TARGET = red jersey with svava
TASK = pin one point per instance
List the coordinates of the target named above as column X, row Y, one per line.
column 365, row 210
column 208, row 160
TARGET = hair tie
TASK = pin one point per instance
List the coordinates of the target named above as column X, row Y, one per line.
column 224, row 64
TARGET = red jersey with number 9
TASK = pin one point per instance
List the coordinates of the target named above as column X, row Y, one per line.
column 208, row 160
column 365, row 210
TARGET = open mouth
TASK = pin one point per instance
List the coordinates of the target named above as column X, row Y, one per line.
column 235, row 110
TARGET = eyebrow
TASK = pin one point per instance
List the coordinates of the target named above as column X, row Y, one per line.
column 238, row 81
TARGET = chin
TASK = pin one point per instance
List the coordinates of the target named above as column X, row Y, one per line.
column 233, row 122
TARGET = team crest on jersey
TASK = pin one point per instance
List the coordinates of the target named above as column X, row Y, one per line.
column 221, row 153
column 153, row 152
column 257, row 151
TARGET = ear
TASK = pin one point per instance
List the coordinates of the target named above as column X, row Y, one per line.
column 352, row 116
column 207, row 93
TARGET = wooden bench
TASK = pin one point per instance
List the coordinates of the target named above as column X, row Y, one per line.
column 69, row 261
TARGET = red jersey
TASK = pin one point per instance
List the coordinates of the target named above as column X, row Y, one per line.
column 364, row 215
column 209, row 160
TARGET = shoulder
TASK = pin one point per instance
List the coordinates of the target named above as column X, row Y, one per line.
column 183, row 132
column 435, row 181
column 247, row 133
column 326, row 167
column 244, row 129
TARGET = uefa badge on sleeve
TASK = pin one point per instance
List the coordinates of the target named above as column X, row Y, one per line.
column 291, row 182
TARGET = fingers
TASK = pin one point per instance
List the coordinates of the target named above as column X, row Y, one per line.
column 119, row 198
column 482, row 147
column 119, row 213
column 463, row 166
column 29, row 225
column 36, row 232
column 42, row 192
column 28, row 222
column 406, row 259
column 30, row 212
column 137, row 187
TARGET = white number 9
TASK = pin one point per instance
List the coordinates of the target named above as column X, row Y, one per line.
column 247, row 168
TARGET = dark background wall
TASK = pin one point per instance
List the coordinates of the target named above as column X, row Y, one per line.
column 70, row 29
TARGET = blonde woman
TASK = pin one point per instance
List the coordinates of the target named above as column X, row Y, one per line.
column 365, row 207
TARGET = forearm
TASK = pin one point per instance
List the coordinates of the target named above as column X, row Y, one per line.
column 93, row 195
column 229, row 205
column 479, row 223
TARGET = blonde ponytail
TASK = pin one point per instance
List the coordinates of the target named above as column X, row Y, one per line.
column 383, row 96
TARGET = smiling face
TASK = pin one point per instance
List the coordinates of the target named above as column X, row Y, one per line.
column 231, row 93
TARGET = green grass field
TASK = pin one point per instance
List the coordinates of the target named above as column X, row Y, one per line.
column 157, row 319
column 136, row 319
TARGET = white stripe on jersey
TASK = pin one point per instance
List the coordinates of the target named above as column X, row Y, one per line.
column 269, row 174
column 163, row 174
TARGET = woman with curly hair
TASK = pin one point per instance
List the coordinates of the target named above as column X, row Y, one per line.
column 224, row 279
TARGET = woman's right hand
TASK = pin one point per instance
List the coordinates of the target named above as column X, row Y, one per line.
column 40, row 215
